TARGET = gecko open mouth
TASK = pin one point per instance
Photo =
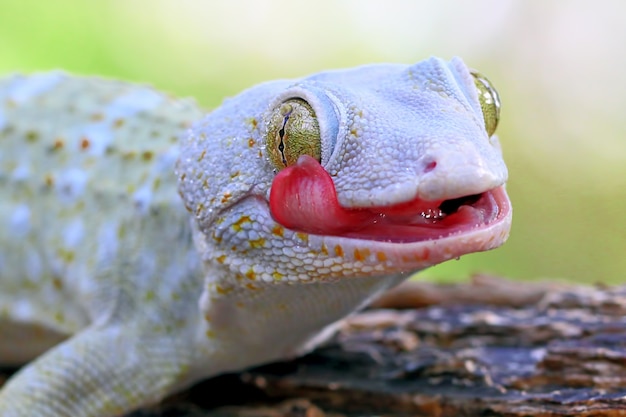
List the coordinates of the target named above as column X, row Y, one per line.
column 303, row 198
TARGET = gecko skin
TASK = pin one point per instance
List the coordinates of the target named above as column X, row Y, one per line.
column 145, row 245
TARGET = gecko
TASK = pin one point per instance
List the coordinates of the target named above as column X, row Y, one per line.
column 146, row 244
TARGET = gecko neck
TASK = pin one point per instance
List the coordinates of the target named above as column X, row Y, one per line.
column 277, row 320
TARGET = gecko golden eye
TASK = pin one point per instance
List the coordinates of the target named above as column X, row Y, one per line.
column 489, row 102
column 292, row 131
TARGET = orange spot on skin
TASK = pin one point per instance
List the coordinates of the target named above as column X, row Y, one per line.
column 58, row 144
column 251, row 275
column 210, row 334
column 199, row 209
column 251, row 143
column 257, row 243
column 222, row 290
column 84, row 143
column 57, row 283
column 423, row 256
column 252, row 287
column 302, row 236
column 277, row 276
column 32, row 136
column 49, row 180
column 221, row 259
column 381, row 256
column 147, row 155
column 324, row 249
column 361, row 254
column 234, row 175
column 243, row 219
column 216, row 238
column 278, row 231
column 339, row 251
column 202, row 154
column 207, row 317
column 118, row 123
column 226, row 197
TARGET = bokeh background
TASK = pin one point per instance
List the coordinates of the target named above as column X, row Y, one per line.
column 559, row 65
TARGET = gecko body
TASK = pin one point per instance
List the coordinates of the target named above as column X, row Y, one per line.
column 146, row 245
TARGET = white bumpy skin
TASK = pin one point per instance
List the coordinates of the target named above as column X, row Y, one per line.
column 134, row 263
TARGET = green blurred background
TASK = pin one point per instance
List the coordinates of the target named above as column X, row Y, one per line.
column 559, row 65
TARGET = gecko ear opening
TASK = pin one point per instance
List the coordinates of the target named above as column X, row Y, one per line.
column 293, row 130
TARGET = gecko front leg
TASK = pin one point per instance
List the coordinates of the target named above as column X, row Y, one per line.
column 100, row 372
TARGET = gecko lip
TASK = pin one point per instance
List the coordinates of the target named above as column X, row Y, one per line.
column 303, row 199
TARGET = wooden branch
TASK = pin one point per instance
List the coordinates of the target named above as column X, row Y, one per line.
column 482, row 289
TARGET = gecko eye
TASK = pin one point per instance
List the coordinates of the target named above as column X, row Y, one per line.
column 489, row 102
column 292, row 131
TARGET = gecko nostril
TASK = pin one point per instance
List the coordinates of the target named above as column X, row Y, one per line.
column 429, row 166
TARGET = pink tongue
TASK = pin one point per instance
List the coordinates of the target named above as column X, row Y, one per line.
column 303, row 198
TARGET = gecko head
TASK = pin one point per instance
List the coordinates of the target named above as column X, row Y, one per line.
column 409, row 182
column 345, row 182
column 377, row 170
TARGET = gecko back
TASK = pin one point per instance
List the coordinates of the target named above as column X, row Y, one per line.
column 88, row 204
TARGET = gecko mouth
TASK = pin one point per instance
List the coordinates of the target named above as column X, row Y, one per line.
column 303, row 198
column 418, row 220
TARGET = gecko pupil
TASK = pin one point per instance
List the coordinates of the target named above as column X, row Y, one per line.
column 281, row 145
column 281, row 148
